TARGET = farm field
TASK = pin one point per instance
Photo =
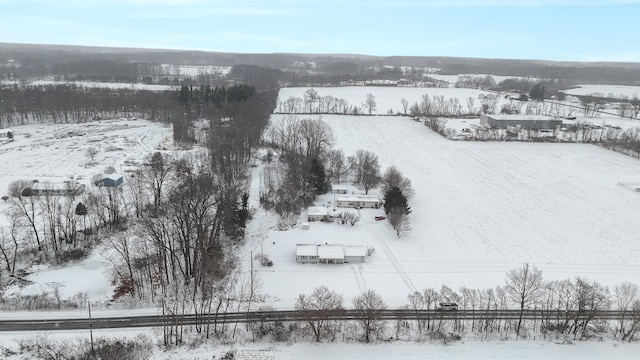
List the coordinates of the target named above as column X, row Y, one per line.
column 480, row 209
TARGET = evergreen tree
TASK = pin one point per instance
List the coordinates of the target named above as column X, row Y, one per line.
column 537, row 93
column 317, row 177
column 396, row 202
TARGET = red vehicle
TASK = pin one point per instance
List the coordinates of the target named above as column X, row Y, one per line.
column 378, row 218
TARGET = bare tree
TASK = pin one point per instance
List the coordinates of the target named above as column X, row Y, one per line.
column 156, row 172
column 91, row 154
column 336, row 165
column 317, row 307
column 392, row 177
column 370, row 103
column 626, row 294
column 366, row 169
column 369, row 304
column 523, row 287
column 405, row 105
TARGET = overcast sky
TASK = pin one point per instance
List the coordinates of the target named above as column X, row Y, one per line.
column 577, row 30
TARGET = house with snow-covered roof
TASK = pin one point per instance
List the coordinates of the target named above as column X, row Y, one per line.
column 317, row 213
column 358, row 201
column 330, row 253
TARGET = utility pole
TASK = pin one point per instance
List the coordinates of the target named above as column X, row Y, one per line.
column 91, row 329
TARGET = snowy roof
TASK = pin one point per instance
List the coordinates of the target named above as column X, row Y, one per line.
column 306, row 250
column 339, row 187
column 357, row 198
column 331, row 252
column 113, row 176
column 4, row 131
column 317, row 210
column 355, row 250
column 522, row 117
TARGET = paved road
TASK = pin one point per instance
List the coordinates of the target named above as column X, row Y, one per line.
column 242, row 317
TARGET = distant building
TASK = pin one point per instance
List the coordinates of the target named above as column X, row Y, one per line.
column 317, row 213
column 54, row 189
column 111, row 180
column 533, row 122
column 358, row 201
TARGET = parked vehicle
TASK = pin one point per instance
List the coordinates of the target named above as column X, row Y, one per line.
column 447, row 307
column 378, row 218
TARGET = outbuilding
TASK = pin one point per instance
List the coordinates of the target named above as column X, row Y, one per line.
column 317, row 213
column 54, row 189
column 358, row 201
column 111, row 180
column 532, row 122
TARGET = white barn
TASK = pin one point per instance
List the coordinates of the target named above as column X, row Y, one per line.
column 317, row 213
column 358, row 201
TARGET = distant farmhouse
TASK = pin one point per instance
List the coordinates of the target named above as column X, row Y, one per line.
column 531, row 122
column 330, row 254
column 111, row 180
column 358, row 201
column 54, row 189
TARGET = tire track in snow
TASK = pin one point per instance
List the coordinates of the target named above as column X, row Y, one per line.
column 397, row 265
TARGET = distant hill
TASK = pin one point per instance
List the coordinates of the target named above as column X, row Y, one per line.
column 41, row 60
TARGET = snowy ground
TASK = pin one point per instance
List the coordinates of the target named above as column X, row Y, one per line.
column 108, row 85
column 481, row 209
column 467, row 349
column 57, row 152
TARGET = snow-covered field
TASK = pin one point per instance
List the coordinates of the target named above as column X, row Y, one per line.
column 605, row 90
column 480, row 209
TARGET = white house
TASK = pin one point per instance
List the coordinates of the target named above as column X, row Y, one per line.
column 358, row 201
column 330, row 254
column 306, row 253
column 317, row 213
column 54, row 188
column 339, row 189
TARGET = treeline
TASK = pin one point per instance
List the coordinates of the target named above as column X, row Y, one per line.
column 573, row 303
column 70, row 103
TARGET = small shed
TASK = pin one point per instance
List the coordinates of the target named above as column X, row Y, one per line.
column 331, row 254
column 354, row 253
column 305, row 226
column 306, row 253
column 339, row 189
column 317, row 213
column 111, row 180
column 358, row 201
column 6, row 134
